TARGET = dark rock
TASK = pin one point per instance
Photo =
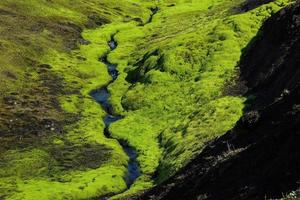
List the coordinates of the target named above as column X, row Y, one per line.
column 250, row 5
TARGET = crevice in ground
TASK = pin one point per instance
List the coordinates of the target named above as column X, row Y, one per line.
column 102, row 96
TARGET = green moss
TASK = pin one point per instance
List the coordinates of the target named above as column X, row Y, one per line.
column 21, row 163
column 142, row 183
column 180, row 64
column 71, row 157
column 79, row 185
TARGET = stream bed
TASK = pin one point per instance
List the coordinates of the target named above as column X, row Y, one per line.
column 102, row 97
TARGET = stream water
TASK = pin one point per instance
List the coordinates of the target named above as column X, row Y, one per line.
column 102, row 97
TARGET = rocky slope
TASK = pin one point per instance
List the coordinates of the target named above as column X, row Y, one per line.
column 259, row 158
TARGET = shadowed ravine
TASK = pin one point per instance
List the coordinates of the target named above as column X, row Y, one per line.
column 102, row 97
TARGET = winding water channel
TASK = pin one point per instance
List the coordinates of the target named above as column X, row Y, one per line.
column 102, row 97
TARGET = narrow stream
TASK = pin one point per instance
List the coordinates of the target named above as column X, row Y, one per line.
column 102, row 97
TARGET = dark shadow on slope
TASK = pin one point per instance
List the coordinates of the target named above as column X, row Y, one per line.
column 250, row 5
column 150, row 61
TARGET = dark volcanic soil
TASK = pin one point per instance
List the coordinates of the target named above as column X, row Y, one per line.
column 250, row 5
column 260, row 157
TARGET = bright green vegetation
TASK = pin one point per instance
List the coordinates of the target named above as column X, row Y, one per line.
column 173, row 90
column 291, row 196
column 181, row 66
column 56, row 148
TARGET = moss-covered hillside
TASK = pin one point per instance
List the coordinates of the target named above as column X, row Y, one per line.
column 176, row 89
